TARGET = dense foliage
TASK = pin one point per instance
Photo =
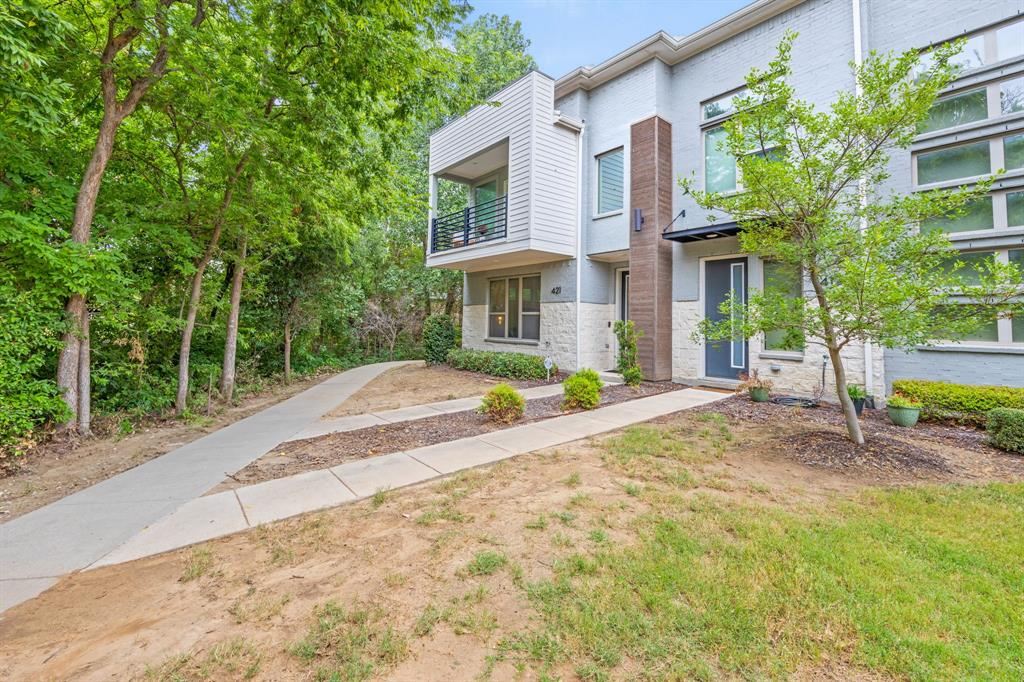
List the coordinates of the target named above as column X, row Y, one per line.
column 582, row 390
column 511, row 365
column 628, row 361
column 440, row 335
column 205, row 195
column 961, row 402
column 1006, row 429
column 503, row 404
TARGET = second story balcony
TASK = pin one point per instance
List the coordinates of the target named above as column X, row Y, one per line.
column 518, row 161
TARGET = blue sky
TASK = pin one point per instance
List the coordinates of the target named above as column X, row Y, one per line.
column 570, row 33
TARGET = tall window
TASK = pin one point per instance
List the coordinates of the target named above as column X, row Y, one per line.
column 786, row 280
column 513, row 308
column 610, row 181
column 719, row 163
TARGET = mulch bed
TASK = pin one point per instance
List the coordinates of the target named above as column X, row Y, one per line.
column 337, row 448
column 928, row 450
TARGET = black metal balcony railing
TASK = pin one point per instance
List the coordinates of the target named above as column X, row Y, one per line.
column 473, row 225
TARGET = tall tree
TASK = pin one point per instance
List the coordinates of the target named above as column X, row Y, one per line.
column 814, row 200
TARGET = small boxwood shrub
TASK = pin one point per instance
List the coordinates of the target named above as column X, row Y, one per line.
column 633, row 375
column 511, row 365
column 503, row 404
column 581, row 391
column 961, row 402
column 1006, row 429
column 591, row 376
column 440, row 335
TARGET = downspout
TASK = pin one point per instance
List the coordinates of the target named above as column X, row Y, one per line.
column 579, row 243
column 862, row 188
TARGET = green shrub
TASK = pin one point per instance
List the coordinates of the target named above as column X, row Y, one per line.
column 902, row 402
column 580, row 392
column 511, row 365
column 633, row 375
column 627, row 334
column 591, row 376
column 962, row 402
column 439, row 336
column 1006, row 429
column 503, row 404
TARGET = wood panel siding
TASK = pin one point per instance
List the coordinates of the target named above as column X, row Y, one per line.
column 650, row 256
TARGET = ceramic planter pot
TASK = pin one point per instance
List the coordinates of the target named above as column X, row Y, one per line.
column 903, row 416
column 759, row 394
column 858, row 405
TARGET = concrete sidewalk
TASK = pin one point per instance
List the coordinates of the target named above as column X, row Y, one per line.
column 72, row 533
column 234, row 510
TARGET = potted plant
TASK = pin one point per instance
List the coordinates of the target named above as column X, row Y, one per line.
column 902, row 410
column 857, row 395
column 760, row 390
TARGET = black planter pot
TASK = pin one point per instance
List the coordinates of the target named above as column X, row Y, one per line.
column 858, row 405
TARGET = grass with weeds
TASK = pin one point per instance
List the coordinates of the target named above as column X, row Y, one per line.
column 539, row 523
column 198, row 564
column 289, row 541
column 233, row 659
column 486, row 563
column 350, row 645
column 919, row 583
column 256, row 607
column 379, row 498
column 574, row 480
column 565, row 517
column 444, row 511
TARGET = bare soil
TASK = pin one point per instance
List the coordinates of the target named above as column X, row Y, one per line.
column 418, row 384
column 331, row 450
column 403, row 557
column 61, row 466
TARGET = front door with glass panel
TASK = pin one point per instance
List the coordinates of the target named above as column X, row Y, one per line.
column 484, row 213
column 724, row 358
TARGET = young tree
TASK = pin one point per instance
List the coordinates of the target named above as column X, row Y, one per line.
column 813, row 200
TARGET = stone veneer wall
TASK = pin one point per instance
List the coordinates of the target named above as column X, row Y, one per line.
column 800, row 375
column 557, row 333
column 597, row 337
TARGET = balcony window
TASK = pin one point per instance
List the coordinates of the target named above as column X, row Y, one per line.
column 784, row 279
column 977, row 215
column 953, row 163
column 513, row 308
column 1010, row 41
column 719, row 164
column 610, row 181
column 956, row 110
column 1011, row 96
column 1013, row 151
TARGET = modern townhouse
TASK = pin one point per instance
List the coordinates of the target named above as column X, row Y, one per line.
column 576, row 217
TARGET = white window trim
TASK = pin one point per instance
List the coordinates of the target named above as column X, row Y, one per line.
column 507, row 338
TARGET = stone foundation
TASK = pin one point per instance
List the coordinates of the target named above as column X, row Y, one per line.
column 557, row 333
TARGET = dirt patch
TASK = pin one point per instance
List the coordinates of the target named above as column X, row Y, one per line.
column 402, row 564
column 58, row 468
column 419, row 384
column 334, row 449
column 892, row 455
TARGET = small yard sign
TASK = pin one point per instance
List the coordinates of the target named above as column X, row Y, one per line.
column 548, row 364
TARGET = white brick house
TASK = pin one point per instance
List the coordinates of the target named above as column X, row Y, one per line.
column 576, row 217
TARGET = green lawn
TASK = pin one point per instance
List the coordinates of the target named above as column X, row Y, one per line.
column 921, row 583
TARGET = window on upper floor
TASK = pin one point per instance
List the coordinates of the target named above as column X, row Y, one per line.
column 610, row 181
column 967, row 266
column 720, row 106
column 977, row 215
column 1005, row 42
column 719, row 163
column 513, row 308
column 1010, row 41
column 953, row 163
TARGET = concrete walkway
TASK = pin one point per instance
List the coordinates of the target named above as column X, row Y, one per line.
column 76, row 531
column 235, row 510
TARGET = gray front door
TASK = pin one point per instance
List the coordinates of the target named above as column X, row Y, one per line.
column 724, row 358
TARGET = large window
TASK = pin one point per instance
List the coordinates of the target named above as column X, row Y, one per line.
column 953, row 163
column 610, row 181
column 786, row 280
column 965, row 107
column 971, row 265
column 1013, row 151
column 719, row 164
column 1002, row 330
column 513, row 308
column 977, row 215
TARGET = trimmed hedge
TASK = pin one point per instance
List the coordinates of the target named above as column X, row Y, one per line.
column 1006, row 429
column 961, row 402
column 440, row 335
column 511, row 365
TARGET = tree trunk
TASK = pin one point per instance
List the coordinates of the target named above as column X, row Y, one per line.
column 849, row 411
column 288, row 351
column 181, row 400
column 227, row 374
column 84, row 379
column 68, row 367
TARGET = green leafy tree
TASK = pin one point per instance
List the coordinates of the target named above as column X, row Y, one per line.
column 813, row 200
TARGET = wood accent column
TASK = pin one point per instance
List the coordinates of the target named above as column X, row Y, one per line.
column 650, row 256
